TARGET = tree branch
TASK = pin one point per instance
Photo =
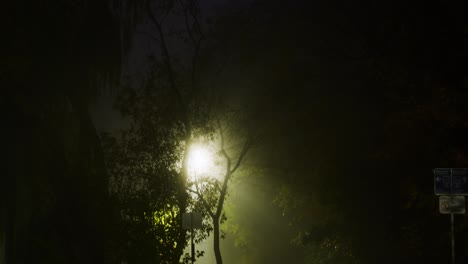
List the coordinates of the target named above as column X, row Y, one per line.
column 221, row 133
column 245, row 149
column 223, row 151
column 196, row 42
column 170, row 69
column 187, row 26
column 205, row 203
column 218, row 187
column 147, row 34
column 165, row 50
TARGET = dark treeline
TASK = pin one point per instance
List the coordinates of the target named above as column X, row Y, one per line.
column 369, row 98
column 54, row 202
column 356, row 104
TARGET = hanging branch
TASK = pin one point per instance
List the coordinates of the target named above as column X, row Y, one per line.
column 229, row 170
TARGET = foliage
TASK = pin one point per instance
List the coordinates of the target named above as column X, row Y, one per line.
column 144, row 166
column 330, row 250
column 318, row 227
column 147, row 160
column 172, row 108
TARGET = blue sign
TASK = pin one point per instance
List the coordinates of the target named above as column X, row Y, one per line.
column 451, row 181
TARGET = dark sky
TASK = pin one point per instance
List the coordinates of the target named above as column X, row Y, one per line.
column 135, row 63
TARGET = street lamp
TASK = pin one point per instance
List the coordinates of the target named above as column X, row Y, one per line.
column 199, row 162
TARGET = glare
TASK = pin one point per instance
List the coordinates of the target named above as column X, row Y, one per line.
column 200, row 161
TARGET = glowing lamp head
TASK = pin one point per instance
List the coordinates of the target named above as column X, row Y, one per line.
column 199, row 161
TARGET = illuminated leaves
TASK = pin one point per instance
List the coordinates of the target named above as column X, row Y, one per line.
column 144, row 178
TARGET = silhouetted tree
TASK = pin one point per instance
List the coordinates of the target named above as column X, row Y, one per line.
column 174, row 107
column 212, row 193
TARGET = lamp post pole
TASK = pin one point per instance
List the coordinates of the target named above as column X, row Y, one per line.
column 191, row 230
column 191, row 235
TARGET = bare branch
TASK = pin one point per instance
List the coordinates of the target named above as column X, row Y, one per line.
column 163, row 17
column 196, row 22
column 221, row 133
column 223, row 151
column 186, row 21
column 193, row 31
column 165, row 50
column 228, row 159
column 168, row 63
column 245, row 149
column 147, row 34
column 247, row 144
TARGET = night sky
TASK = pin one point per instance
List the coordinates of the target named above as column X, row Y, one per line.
column 348, row 106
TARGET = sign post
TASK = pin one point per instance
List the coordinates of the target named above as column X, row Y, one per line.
column 452, row 205
column 453, row 183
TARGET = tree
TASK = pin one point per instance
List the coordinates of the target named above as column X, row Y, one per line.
column 163, row 123
column 148, row 160
column 172, row 109
column 145, row 164
column 212, row 192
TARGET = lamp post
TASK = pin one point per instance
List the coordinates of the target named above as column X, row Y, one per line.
column 199, row 162
column 191, row 221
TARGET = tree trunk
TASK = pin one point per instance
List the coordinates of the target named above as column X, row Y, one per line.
column 217, row 250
